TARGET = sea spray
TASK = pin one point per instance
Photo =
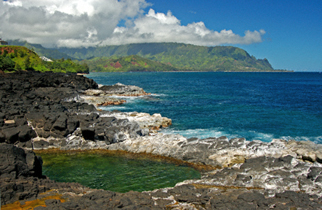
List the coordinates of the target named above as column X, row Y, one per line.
column 255, row 106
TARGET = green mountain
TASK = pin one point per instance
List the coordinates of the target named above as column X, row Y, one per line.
column 128, row 63
column 174, row 56
column 180, row 56
column 17, row 58
column 40, row 50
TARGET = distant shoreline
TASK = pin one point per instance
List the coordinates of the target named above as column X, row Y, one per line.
column 273, row 71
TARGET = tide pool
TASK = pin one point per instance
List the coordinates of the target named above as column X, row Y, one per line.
column 119, row 173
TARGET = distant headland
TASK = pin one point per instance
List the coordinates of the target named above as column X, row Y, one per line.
column 157, row 57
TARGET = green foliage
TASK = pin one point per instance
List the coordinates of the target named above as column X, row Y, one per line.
column 180, row 56
column 6, row 63
column 5, row 53
column 16, row 58
column 63, row 65
column 27, row 62
column 40, row 50
column 125, row 64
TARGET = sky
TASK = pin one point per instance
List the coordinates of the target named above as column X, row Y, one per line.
column 286, row 32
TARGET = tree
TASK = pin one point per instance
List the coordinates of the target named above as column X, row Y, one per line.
column 27, row 62
column 21, row 53
column 85, row 68
column 5, row 53
column 17, row 66
column 6, row 63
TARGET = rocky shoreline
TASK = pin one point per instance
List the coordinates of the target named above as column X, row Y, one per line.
column 48, row 111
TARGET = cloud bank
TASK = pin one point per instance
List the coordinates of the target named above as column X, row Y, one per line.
column 76, row 23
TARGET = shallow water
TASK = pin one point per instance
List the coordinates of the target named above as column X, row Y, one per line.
column 256, row 106
column 114, row 172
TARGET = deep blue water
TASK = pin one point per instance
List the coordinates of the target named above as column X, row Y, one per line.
column 258, row 106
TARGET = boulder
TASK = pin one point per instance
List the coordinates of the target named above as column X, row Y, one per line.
column 21, row 177
column 26, row 133
column 123, row 90
column 11, row 135
column 16, row 162
column 60, row 125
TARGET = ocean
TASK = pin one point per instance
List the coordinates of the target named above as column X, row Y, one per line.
column 255, row 106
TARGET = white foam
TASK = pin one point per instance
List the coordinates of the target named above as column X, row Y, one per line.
column 316, row 139
column 217, row 132
column 249, row 135
column 111, row 108
column 199, row 133
column 126, row 97
column 158, row 95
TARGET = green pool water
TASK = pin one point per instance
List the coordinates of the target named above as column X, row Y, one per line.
column 114, row 172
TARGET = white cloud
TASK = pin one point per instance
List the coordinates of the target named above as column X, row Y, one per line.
column 158, row 27
column 76, row 23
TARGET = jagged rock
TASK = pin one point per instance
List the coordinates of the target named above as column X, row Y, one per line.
column 219, row 152
column 40, row 111
column 21, row 176
column 104, row 96
column 111, row 102
column 102, row 100
column 123, row 90
column 145, row 120
column 34, row 96
column 319, row 156
column 16, row 162
column 26, row 133
column 10, row 134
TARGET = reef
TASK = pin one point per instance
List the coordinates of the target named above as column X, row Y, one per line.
column 45, row 111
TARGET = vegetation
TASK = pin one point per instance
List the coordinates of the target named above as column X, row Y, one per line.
column 16, row 58
column 129, row 63
column 166, row 57
column 180, row 56
column 40, row 50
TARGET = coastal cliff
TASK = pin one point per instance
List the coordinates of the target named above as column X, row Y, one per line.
column 59, row 111
column 158, row 57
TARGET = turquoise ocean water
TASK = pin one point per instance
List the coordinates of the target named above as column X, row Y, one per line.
column 256, row 106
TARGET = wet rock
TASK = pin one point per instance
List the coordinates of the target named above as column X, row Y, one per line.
column 103, row 100
column 314, row 173
column 43, row 111
column 124, row 90
column 21, row 176
column 40, row 145
column 105, row 95
column 144, row 120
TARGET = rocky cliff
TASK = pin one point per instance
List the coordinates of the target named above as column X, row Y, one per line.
column 43, row 111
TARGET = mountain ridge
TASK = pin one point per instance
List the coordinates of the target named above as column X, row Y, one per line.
column 180, row 57
column 131, row 63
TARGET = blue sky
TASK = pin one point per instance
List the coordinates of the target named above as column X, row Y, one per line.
column 287, row 33
column 293, row 38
